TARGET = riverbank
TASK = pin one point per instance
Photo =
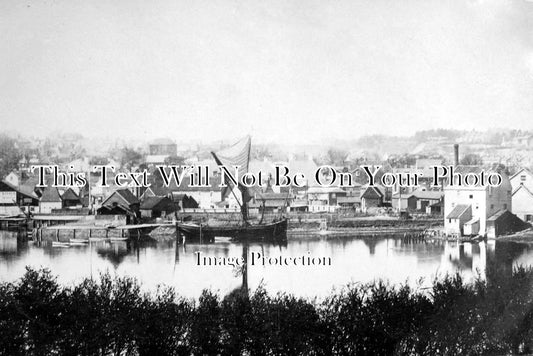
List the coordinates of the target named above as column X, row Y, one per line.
column 525, row 236
column 110, row 315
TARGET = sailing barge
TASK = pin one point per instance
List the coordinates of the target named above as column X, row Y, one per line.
column 274, row 232
column 244, row 230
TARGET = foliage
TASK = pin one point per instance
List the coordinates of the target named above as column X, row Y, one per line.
column 175, row 160
column 112, row 316
column 472, row 159
column 129, row 157
column 10, row 155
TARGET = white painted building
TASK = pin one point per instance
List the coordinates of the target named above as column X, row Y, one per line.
column 522, row 183
column 483, row 201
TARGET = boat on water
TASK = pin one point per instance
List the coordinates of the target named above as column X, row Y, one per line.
column 243, row 230
column 273, row 231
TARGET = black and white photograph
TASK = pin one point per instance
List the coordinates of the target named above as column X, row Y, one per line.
column 284, row 177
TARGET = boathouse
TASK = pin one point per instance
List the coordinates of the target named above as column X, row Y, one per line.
column 421, row 199
column 71, row 199
column 121, row 202
column 50, row 200
column 504, row 222
column 373, row 197
column 157, row 207
column 14, row 199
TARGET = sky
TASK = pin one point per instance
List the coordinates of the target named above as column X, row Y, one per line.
column 280, row 70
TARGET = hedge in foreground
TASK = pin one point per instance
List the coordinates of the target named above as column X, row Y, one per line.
column 112, row 316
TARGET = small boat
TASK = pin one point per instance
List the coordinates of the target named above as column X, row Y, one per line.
column 79, row 241
column 60, row 244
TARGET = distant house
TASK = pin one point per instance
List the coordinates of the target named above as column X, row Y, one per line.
column 183, row 201
column 13, row 178
column 50, row 200
column 420, row 200
column 155, row 191
column 523, row 177
column 483, row 202
column 373, row 197
column 525, row 140
column 272, row 202
column 504, row 222
column 155, row 207
column 522, row 183
column 70, row 199
column 457, row 218
column 163, row 146
column 207, row 197
column 399, row 201
column 121, row 202
column 324, row 199
column 13, row 199
column 349, row 202
column 523, row 203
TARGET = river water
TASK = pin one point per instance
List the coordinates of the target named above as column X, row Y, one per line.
column 353, row 260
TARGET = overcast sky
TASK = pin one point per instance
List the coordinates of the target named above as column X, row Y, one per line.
column 279, row 70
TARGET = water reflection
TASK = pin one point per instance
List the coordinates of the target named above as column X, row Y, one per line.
column 353, row 260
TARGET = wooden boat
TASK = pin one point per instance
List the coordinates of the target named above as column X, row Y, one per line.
column 274, row 231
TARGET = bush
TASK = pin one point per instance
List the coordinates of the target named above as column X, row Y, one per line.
column 112, row 316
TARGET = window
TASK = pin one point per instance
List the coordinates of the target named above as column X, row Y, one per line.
column 491, row 206
column 505, row 206
column 449, row 220
column 523, row 177
column 471, row 196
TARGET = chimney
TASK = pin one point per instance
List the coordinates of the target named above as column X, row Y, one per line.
column 456, row 154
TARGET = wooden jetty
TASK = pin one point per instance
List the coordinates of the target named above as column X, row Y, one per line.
column 12, row 222
column 83, row 233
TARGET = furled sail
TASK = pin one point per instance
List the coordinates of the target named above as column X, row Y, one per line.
column 236, row 155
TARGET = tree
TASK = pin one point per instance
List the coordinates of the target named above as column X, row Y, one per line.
column 98, row 160
column 336, row 157
column 129, row 157
column 175, row 160
column 10, row 155
column 472, row 159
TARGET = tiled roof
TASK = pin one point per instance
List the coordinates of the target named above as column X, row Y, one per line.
column 69, row 194
column 149, row 203
column 348, row 200
column 128, row 196
column 458, row 211
column 427, row 194
column 51, row 195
